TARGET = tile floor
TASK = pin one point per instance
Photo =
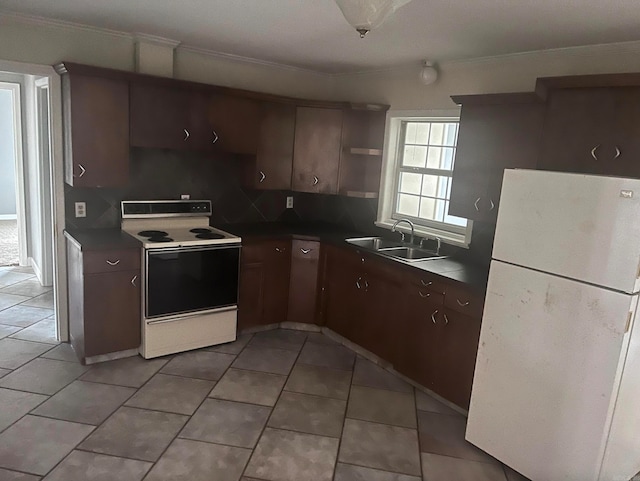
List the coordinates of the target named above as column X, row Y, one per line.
column 276, row 406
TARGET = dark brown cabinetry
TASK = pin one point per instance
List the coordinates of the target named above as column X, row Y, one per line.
column 592, row 130
column 496, row 132
column 192, row 119
column 361, row 157
column 104, row 300
column 274, row 158
column 303, row 284
column 96, row 117
column 264, row 282
column 316, row 154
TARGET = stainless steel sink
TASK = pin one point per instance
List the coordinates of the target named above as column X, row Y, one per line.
column 393, row 249
column 411, row 254
column 374, row 243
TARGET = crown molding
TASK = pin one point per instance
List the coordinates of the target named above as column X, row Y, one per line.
column 251, row 60
column 156, row 40
column 50, row 22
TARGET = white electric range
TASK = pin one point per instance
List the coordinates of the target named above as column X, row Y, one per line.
column 190, row 275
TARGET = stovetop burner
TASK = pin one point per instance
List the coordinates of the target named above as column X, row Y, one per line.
column 152, row 233
column 200, row 230
column 209, row 235
column 160, row 239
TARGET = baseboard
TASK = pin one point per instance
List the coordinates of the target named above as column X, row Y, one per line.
column 36, row 269
column 8, row 216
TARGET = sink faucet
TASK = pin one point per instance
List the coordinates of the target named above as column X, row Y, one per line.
column 393, row 228
column 438, row 243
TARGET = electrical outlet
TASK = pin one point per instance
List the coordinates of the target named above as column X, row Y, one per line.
column 185, row 197
column 81, row 209
column 289, row 202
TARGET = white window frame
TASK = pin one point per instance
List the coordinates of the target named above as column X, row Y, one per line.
column 389, row 182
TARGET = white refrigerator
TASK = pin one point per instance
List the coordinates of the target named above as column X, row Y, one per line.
column 556, row 392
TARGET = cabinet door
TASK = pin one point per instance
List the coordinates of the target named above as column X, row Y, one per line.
column 576, row 135
column 234, row 122
column 274, row 159
column 491, row 138
column 251, row 294
column 112, row 312
column 96, row 131
column 418, row 357
column 457, row 352
column 303, row 284
column 624, row 151
column 343, row 293
column 316, row 154
column 276, row 287
column 159, row 117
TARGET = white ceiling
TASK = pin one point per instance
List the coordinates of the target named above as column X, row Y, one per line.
column 313, row 34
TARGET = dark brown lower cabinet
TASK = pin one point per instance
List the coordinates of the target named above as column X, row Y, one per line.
column 104, row 300
column 303, row 283
column 264, row 283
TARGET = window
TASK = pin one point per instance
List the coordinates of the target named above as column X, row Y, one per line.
column 416, row 184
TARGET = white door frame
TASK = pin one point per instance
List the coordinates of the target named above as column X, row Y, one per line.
column 57, row 182
column 19, row 169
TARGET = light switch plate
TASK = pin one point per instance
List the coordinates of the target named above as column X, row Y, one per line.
column 289, row 202
column 81, row 209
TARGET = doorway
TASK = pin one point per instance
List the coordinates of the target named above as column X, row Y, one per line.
column 32, row 267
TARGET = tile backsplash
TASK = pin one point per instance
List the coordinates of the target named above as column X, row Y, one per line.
column 166, row 174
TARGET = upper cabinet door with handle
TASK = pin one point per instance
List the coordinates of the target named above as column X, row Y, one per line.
column 577, row 130
column 316, row 154
column 496, row 132
column 233, row 123
column 274, row 159
column 96, row 117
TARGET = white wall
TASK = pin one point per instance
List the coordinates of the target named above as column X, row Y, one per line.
column 46, row 43
column 401, row 88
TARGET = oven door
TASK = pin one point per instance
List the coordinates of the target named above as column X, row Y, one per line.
column 185, row 280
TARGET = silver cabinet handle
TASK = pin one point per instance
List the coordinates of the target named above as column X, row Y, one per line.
column 186, row 135
column 428, row 294
column 215, row 137
column 133, row 281
column 491, row 204
column 425, row 284
column 315, row 180
column 446, row 319
column 278, row 249
column 82, row 170
column 433, row 316
column 366, row 284
column 113, row 263
column 475, row 204
column 462, row 304
column 305, row 251
column 617, row 153
column 262, row 177
column 593, row 152
column 358, row 282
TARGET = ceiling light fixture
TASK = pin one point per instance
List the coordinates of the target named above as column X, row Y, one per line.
column 428, row 73
column 365, row 15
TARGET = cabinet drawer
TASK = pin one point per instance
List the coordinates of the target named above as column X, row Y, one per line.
column 305, row 250
column 426, row 281
column 111, row 260
column 464, row 301
column 264, row 250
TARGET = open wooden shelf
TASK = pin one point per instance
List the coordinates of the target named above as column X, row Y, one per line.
column 364, row 151
column 361, row 194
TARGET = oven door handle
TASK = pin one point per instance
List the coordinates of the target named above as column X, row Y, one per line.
column 191, row 314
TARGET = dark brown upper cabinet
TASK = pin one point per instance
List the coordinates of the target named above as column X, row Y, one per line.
column 593, row 131
column 233, row 123
column 497, row 132
column 316, row 153
column 361, row 158
column 274, row 158
column 96, row 130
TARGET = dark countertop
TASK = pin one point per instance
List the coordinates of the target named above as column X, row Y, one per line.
column 456, row 268
column 102, row 239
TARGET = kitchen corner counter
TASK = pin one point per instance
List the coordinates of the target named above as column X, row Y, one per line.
column 455, row 268
column 101, row 239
